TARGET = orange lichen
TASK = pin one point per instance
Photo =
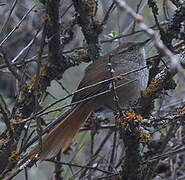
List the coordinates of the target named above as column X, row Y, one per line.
column 43, row 71
column 7, row 134
column 27, row 85
column 89, row 6
column 129, row 115
column 181, row 111
column 153, row 87
column 119, row 77
column 16, row 121
column 140, row 118
column 45, row 17
column 34, row 158
column 24, row 87
column 144, row 137
column 120, row 121
column 14, row 157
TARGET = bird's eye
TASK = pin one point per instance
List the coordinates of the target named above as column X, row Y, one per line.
column 131, row 48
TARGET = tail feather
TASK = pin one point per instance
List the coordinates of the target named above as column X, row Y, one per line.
column 62, row 134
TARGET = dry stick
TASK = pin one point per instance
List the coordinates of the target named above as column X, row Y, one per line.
column 102, row 41
column 11, row 176
column 90, row 31
column 167, row 154
column 2, row 66
column 170, row 133
column 29, row 48
column 2, row 4
column 26, row 139
column 62, row 15
column 58, row 167
column 26, row 173
column 137, row 11
column 8, row 36
column 65, row 52
column 92, row 149
column 2, row 43
column 131, row 24
column 33, row 59
column 113, row 84
column 62, row 86
column 72, row 104
column 26, row 47
column 118, row 107
column 36, row 83
column 165, row 10
column 75, row 154
column 104, row 141
column 113, row 151
column 110, row 127
column 6, row 120
column 16, row 27
column 8, row 18
column 26, row 131
column 153, row 5
column 110, row 177
column 53, row 33
column 119, row 77
column 108, row 13
column 162, row 49
column 139, row 19
column 81, row 166
column 4, row 104
column 12, row 69
column 129, row 34
column 103, row 126
column 23, row 50
column 116, row 101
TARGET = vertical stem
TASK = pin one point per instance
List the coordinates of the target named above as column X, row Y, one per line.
column 58, row 168
column 131, row 165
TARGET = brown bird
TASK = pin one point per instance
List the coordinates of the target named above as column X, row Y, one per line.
column 125, row 58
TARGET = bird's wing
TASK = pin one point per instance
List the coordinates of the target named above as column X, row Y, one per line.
column 95, row 72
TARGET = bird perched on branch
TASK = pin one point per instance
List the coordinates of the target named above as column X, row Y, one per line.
column 124, row 59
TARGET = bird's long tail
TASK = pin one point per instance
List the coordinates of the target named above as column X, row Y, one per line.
column 62, row 134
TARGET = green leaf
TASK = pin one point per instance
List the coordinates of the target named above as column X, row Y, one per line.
column 112, row 34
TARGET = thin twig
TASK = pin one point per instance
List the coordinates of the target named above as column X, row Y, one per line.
column 16, row 27
column 8, row 17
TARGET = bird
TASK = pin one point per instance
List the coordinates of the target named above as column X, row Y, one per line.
column 125, row 58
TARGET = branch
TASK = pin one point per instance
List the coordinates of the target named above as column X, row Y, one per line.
column 91, row 27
